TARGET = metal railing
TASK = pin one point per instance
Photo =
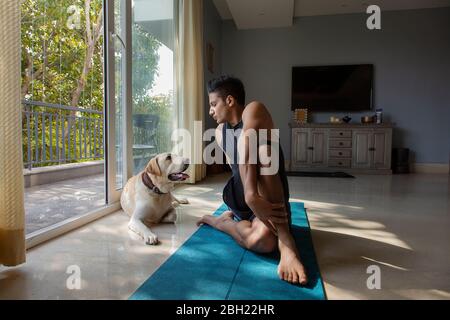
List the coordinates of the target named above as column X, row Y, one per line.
column 54, row 134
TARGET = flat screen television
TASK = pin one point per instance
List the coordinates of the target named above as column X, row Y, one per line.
column 333, row 88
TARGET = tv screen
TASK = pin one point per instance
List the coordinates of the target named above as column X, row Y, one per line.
column 332, row 88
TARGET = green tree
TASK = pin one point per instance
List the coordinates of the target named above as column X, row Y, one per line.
column 145, row 62
column 61, row 59
column 62, row 56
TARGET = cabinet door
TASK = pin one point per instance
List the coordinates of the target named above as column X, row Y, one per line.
column 300, row 141
column 319, row 144
column 381, row 147
column 362, row 140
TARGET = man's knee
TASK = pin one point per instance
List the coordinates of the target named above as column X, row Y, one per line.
column 262, row 241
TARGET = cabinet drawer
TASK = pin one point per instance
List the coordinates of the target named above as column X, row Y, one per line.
column 341, row 163
column 340, row 153
column 336, row 133
column 334, row 143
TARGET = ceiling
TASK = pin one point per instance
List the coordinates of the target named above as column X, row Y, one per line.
column 251, row 14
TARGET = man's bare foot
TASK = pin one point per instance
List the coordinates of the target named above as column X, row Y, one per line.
column 291, row 269
column 214, row 221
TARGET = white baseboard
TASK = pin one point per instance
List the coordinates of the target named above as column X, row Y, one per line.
column 440, row 168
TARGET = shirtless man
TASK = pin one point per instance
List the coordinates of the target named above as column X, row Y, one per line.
column 259, row 217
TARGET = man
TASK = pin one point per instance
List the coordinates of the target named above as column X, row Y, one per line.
column 259, row 219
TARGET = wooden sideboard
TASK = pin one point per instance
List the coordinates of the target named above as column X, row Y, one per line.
column 352, row 148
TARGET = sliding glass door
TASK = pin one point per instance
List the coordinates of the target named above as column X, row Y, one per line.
column 140, row 91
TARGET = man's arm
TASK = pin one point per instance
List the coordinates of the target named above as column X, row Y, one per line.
column 252, row 120
column 256, row 117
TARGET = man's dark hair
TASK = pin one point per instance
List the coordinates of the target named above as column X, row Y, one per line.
column 228, row 86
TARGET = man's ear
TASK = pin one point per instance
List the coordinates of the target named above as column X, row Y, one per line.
column 153, row 167
column 230, row 100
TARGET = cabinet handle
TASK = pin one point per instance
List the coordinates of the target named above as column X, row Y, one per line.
column 340, row 153
column 341, row 133
column 372, row 149
column 340, row 163
column 310, row 148
column 341, row 143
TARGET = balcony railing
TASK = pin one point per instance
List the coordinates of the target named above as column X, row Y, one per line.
column 55, row 134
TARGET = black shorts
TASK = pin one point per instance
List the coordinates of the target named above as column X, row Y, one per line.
column 234, row 198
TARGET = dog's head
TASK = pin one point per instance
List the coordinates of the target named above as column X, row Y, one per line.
column 165, row 169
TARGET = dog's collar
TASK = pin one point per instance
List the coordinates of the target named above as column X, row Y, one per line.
column 149, row 184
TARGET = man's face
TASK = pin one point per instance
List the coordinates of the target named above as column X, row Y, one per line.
column 218, row 108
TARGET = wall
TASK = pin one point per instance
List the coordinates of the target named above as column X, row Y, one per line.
column 411, row 55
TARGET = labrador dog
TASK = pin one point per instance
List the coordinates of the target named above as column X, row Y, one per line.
column 147, row 197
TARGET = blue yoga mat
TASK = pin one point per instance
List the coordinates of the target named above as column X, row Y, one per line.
column 210, row 265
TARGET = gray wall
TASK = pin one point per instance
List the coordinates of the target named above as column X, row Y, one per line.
column 212, row 33
column 411, row 56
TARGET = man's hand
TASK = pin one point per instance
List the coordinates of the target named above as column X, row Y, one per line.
column 269, row 213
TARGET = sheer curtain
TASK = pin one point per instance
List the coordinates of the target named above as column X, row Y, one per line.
column 12, row 212
column 190, row 83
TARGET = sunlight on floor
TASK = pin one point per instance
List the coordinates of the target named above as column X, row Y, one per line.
column 430, row 294
column 385, row 264
column 196, row 191
column 326, row 205
column 330, row 217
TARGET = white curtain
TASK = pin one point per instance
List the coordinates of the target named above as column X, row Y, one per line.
column 191, row 84
column 12, row 212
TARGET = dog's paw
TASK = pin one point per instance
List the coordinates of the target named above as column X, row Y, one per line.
column 151, row 239
column 183, row 201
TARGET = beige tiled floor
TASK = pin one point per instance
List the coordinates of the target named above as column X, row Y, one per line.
column 400, row 223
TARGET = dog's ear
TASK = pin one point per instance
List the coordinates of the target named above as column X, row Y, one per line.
column 153, row 167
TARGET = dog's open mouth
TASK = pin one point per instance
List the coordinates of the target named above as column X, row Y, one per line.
column 180, row 176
